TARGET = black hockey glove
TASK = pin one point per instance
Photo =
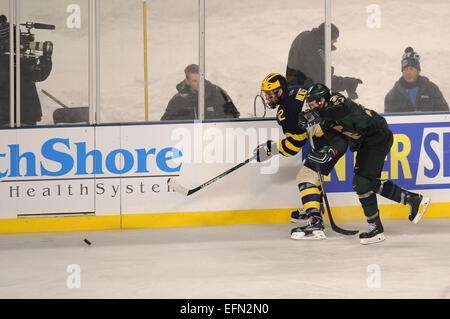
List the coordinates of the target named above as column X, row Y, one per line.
column 326, row 154
column 265, row 151
column 302, row 121
column 350, row 86
column 308, row 118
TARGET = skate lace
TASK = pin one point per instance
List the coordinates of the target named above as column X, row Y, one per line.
column 371, row 227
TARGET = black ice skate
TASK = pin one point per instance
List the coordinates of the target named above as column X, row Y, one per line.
column 314, row 230
column 299, row 215
column 373, row 234
column 414, row 201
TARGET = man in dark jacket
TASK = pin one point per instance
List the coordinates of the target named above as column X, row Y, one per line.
column 184, row 104
column 413, row 92
column 306, row 62
column 32, row 70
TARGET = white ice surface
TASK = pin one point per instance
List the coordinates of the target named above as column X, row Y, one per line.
column 239, row 261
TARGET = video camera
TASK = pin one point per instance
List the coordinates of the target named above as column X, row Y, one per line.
column 29, row 48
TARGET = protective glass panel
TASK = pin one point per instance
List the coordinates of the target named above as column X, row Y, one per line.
column 247, row 40
column 4, row 64
column 54, row 61
column 373, row 39
column 171, row 44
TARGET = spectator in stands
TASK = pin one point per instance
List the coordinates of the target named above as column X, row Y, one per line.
column 184, row 104
column 413, row 92
column 306, row 62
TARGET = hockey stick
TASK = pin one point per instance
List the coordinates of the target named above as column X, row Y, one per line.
column 54, row 98
column 186, row 191
column 334, row 227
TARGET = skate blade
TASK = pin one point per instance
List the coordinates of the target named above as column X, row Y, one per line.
column 315, row 235
column 375, row 239
column 424, row 203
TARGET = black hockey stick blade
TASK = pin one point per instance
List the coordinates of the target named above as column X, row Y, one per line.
column 344, row 231
column 339, row 230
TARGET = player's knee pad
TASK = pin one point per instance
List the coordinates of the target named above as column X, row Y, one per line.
column 307, row 175
column 362, row 185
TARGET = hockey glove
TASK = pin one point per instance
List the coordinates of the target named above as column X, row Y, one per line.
column 302, row 121
column 326, row 154
column 308, row 118
column 265, row 151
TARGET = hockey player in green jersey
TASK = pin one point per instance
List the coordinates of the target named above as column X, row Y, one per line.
column 369, row 136
column 290, row 102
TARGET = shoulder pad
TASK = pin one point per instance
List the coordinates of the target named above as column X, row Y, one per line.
column 337, row 99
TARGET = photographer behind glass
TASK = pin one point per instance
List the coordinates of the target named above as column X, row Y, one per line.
column 33, row 68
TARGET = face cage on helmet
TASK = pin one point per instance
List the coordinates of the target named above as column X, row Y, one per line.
column 266, row 103
column 315, row 99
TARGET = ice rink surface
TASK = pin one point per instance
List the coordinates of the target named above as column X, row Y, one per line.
column 236, row 262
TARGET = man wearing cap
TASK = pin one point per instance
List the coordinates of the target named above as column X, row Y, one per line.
column 306, row 61
column 413, row 92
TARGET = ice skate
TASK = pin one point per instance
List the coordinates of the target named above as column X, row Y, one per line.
column 314, row 230
column 415, row 201
column 373, row 234
column 299, row 215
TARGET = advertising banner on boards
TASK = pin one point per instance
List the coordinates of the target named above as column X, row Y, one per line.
column 123, row 169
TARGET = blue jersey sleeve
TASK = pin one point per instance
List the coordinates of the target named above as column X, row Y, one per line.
column 287, row 117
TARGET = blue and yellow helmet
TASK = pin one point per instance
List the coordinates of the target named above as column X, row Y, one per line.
column 274, row 81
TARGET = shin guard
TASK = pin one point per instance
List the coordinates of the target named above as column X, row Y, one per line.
column 311, row 198
column 392, row 191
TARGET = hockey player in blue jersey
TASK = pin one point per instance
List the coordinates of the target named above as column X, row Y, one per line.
column 290, row 102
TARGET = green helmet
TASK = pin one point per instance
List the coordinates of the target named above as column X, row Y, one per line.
column 317, row 92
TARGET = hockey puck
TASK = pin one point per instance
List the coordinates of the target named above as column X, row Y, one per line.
column 87, row 241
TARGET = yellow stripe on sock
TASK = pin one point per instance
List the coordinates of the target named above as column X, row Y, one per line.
column 312, row 204
column 309, row 191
